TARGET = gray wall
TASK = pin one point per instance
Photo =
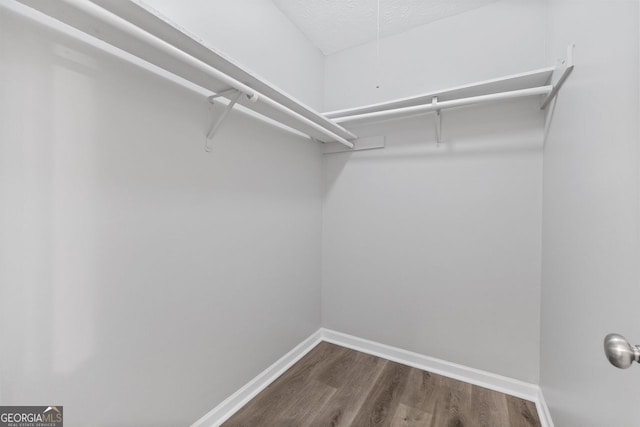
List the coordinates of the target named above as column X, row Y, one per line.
column 437, row 249
column 256, row 34
column 123, row 246
column 497, row 39
column 143, row 280
column 590, row 228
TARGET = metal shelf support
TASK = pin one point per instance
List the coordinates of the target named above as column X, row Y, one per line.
column 566, row 72
column 215, row 125
column 434, row 102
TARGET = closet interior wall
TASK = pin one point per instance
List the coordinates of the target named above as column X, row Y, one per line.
column 263, row 41
column 436, row 249
column 139, row 272
column 591, row 217
column 144, row 280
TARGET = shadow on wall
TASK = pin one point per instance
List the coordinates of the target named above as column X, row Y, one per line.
column 436, row 249
column 497, row 130
column 132, row 243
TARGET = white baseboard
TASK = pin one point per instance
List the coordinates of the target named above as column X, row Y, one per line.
column 237, row 400
column 437, row 366
column 489, row 380
column 543, row 411
column 474, row 376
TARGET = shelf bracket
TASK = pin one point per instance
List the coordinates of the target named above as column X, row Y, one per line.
column 222, row 94
column 434, row 101
column 568, row 68
column 215, row 125
column 361, row 144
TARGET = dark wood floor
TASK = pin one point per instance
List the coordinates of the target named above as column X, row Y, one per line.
column 336, row 386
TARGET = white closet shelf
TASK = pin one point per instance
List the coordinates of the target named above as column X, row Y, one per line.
column 133, row 27
column 142, row 32
column 537, row 83
column 531, row 83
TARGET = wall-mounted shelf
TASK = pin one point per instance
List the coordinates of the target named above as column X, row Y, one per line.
column 144, row 33
column 544, row 82
column 133, row 27
column 528, row 80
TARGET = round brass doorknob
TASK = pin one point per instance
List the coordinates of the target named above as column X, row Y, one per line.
column 620, row 353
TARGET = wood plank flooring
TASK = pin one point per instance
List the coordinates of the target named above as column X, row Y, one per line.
column 336, row 386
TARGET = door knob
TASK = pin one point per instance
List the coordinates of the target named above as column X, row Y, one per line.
column 620, row 353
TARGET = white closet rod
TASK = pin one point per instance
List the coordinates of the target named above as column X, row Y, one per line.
column 425, row 108
column 105, row 16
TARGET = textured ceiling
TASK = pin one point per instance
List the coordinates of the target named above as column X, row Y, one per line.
column 334, row 25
